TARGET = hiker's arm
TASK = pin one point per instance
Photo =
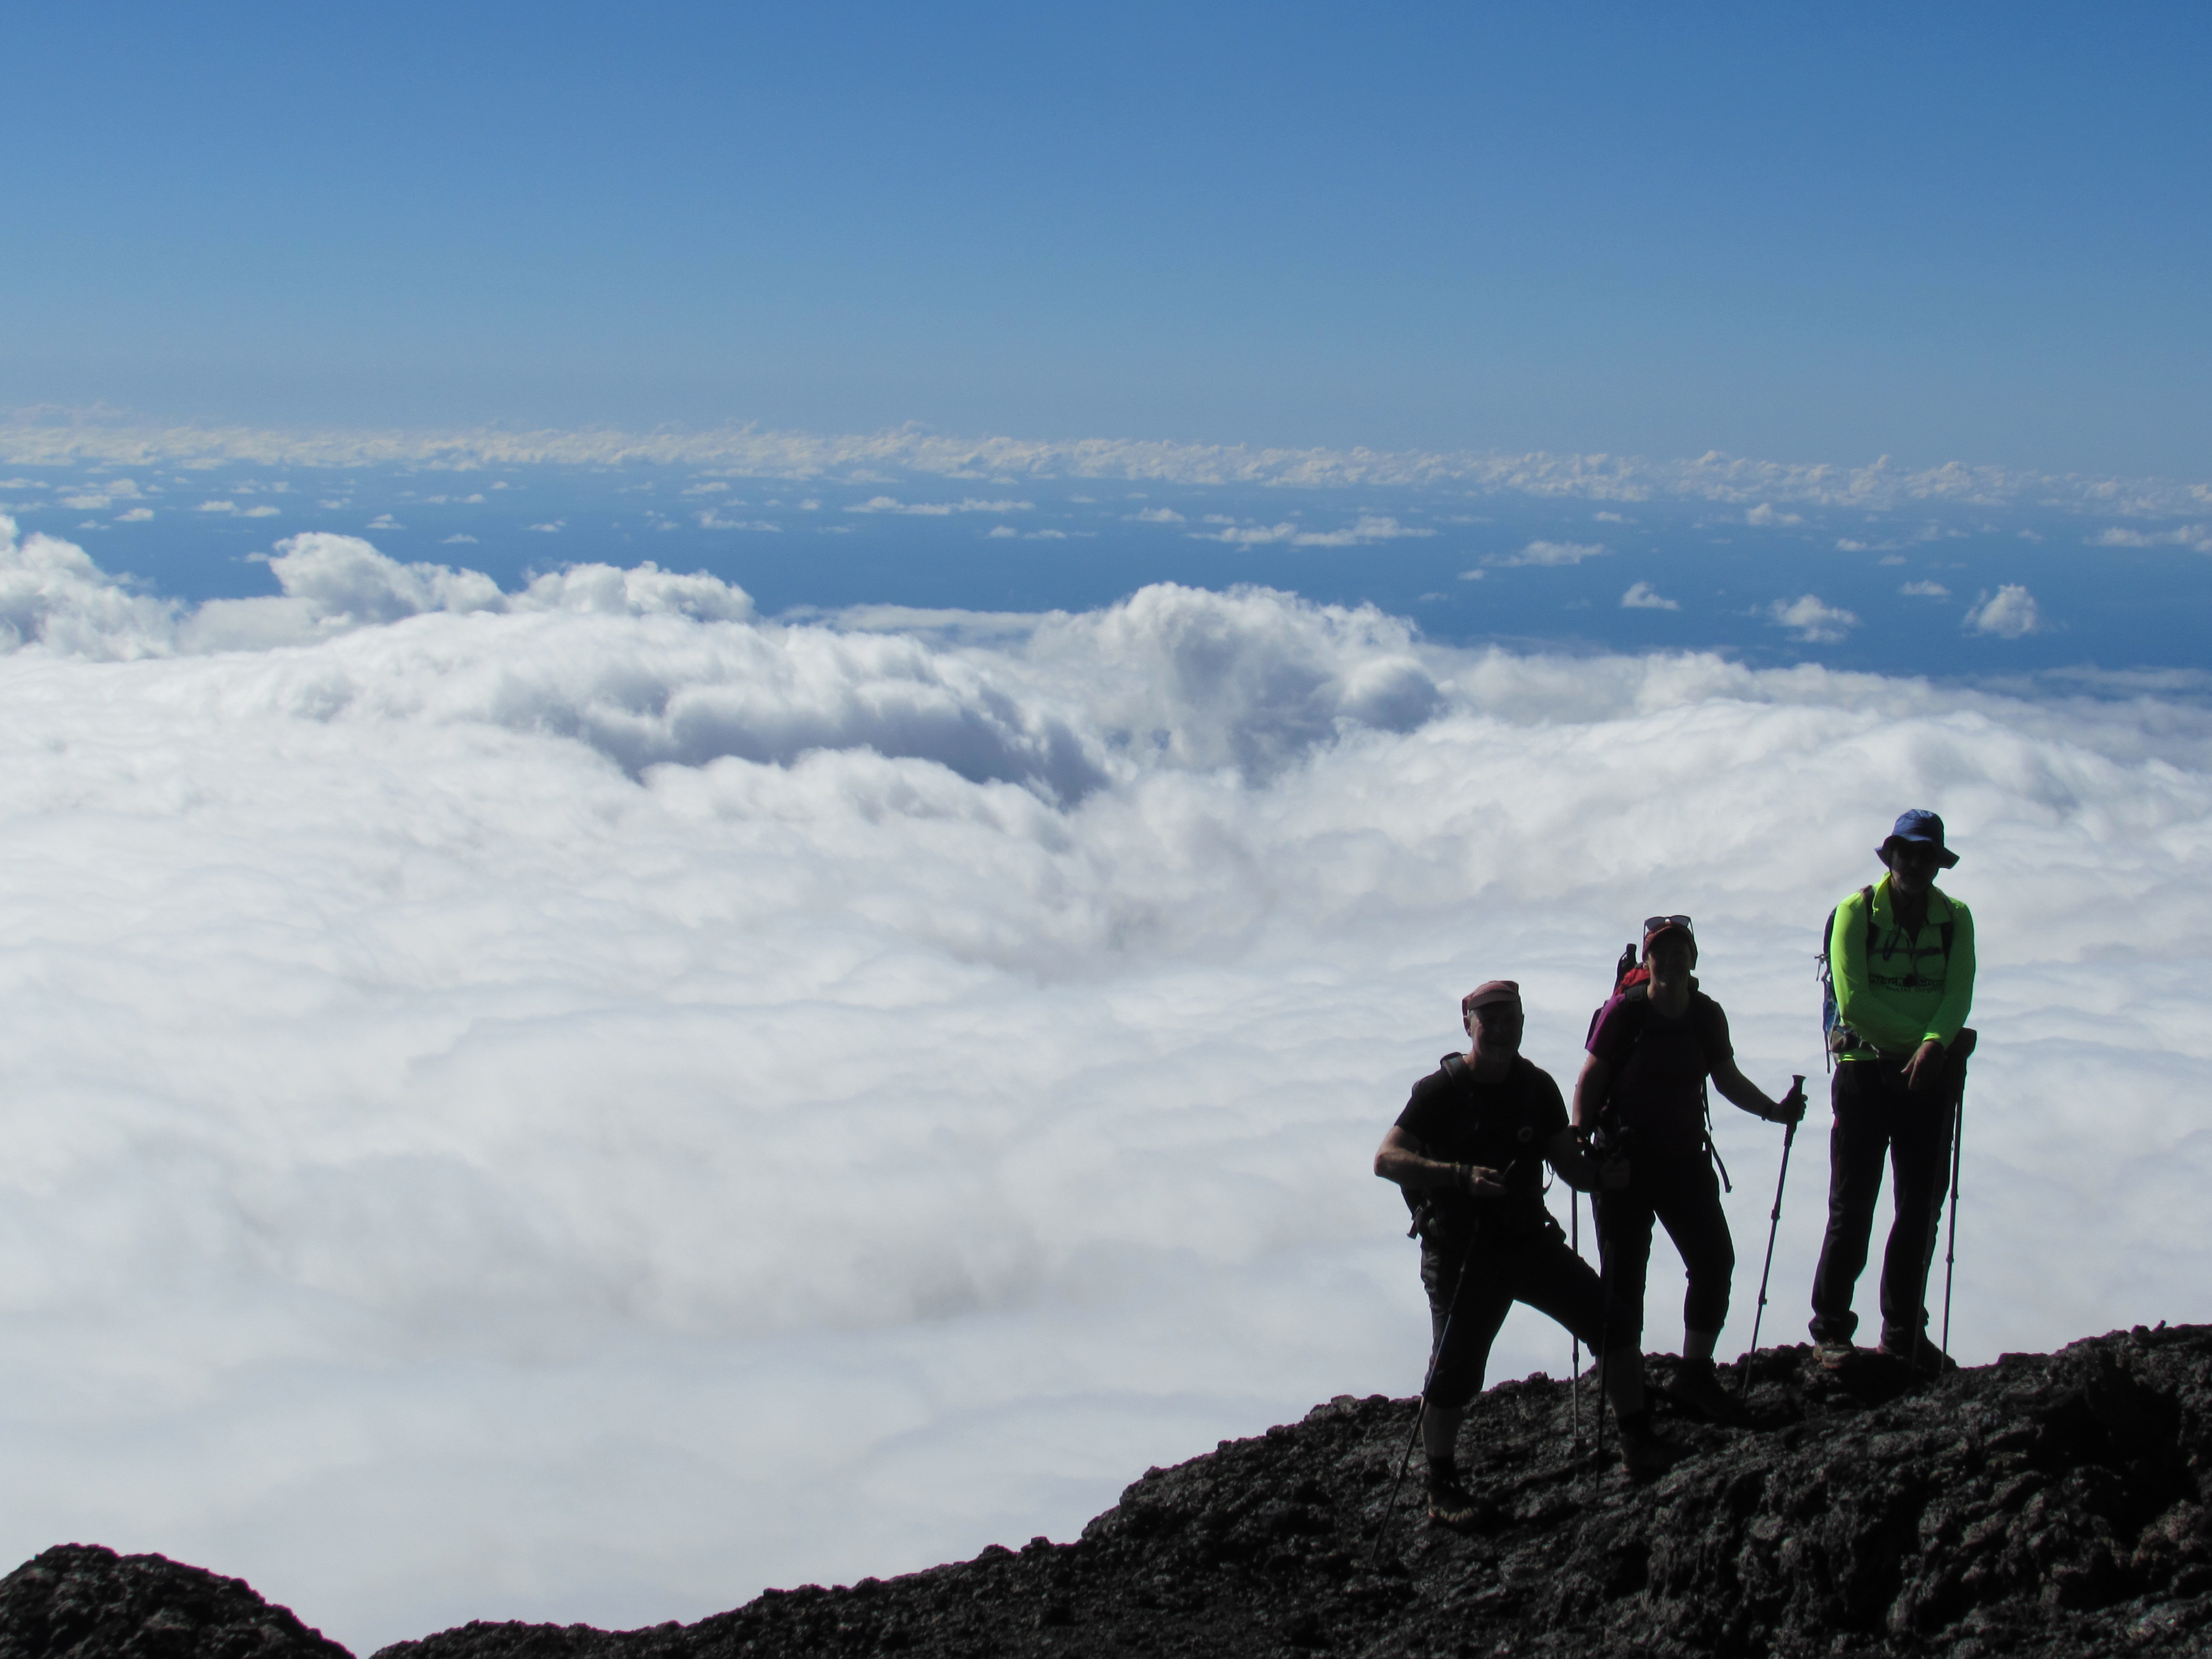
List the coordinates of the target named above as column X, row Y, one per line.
column 1742, row 1092
column 1577, row 1166
column 1592, row 1090
column 1958, row 981
column 1571, row 1162
column 1401, row 1159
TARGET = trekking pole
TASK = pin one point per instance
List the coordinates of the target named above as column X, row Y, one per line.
column 1383, row 1526
column 1951, row 1245
column 1575, row 1371
column 1773, row 1227
column 1604, row 1319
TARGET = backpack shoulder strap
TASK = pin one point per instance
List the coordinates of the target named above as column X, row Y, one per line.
column 1455, row 1068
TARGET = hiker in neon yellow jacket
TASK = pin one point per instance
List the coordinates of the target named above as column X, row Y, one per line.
column 1902, row 956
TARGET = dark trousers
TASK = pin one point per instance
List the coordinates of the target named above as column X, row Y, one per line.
column 1876, row 1117
column 1681, row 1192
column 1538, row 1270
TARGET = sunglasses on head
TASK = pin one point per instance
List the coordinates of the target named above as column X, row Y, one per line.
column 1653, row 924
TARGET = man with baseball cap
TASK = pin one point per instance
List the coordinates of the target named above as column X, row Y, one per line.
column 1651, row 1048
column 1901, row 955
column 1468, row 1153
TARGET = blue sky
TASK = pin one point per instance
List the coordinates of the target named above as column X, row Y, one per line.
column 1971, row 232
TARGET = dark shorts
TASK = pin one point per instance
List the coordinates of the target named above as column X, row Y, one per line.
column 1465, row 1313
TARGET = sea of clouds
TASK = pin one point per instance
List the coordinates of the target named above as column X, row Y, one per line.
column 580, row 1102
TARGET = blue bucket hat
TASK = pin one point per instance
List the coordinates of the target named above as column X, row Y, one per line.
column 1921, row 826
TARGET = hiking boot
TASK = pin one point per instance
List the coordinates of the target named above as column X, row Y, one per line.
column 1698, row 1391
column 1834, row 1352
column 1920, row 1353
column 1450, row 1503
column 1644, row 1455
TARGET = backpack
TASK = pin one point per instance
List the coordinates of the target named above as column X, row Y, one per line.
column 1835, row 1036
column 1633, row 980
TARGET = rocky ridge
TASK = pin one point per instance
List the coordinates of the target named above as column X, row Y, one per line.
column 2050, row 1504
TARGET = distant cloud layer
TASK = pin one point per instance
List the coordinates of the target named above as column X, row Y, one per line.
column 1554, row 553
column 1368, row 527
column 1754, row 484
column 579, row 1101
column 937, row 509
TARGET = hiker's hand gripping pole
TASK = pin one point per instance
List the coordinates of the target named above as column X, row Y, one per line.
column 1797, row 1097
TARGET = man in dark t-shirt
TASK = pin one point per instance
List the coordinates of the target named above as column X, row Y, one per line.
column 1651, row 1048
column 1468, row 1153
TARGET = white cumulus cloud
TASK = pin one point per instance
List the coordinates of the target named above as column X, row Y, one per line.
column 1926, row 590
column 1641, row 596
column 1811, row 621
column 2195, row 537
column 2010, row 613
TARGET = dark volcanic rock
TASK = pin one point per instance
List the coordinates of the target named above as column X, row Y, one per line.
column 2050, row 1504
column 86, row 1602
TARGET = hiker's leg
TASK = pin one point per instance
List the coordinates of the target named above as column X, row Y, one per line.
column 1920, row 1157
column 1556, row 1282
column 1690, row 1210
column 1624, row 1243
column 1855, row 1147
column 1460, row 1338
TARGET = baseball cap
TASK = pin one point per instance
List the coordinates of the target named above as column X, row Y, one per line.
column 1489, row 992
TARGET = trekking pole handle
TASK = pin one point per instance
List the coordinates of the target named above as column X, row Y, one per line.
column 1789, row 1136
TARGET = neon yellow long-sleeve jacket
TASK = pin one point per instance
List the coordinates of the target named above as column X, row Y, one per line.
column 1904, row 992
